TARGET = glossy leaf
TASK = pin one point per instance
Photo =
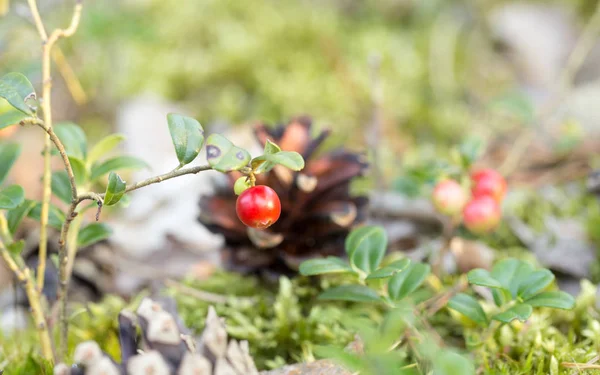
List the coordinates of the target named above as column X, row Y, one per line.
column 15, row 216
column 389, row 270
column 93, row 233
column 114, row 190
column 355, row 293
column 61, row 186
column 11, row 197
column 510, row 273
column 469, row 307
column 521, row 311
column 366, row 247
column 187, row 135
column 73, row 138
column 535, row 283
column 103, row 147
column 482, row 277
column 11, row 117
column 323, row 266
column 224, row 156
column 554, row 299
column 80, row 171
column 407, row 281
column 16, row 88
column 55, row 216
column 9, row 152
column 289, row 159
column 115, row 164
column 271, row 148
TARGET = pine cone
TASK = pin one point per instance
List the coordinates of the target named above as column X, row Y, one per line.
column 317, row 208
column 166, row 349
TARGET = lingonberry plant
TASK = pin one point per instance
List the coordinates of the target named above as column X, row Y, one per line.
column 85, row 169
column 517, row 288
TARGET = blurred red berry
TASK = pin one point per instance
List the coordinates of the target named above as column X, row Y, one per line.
column 482, row 214
column 258, row 207
column 449, row 197
column 488, row 182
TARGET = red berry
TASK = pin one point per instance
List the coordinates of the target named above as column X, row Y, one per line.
column 449, row 197
column 482, row 214
column 488, row 182
column 258, row 207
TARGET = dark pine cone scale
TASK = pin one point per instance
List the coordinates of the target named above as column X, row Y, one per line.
column 317, row 209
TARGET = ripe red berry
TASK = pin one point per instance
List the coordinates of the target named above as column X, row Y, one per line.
column 482, row 214
column 488, row 182
column 258, row 207
column 449, row 197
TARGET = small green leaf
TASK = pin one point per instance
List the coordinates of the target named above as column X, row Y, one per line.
column 93, row 233
column 389, row 270
column 554, row 299
column 355, row 293
column 469, row 307
column 323, row 266
column 289, row 159
column 55, row 216
column 15, row 216
column 61, row 187
column 16, row 89
column 187, row 135
column 470, row 150
column 405, row 282
column 16, row 248
column 11, row 117
column 104, row 146
column 117, row 163
column 482, row 277
column 114, row 190
column 535, row 283
column 366, row 247
column 271, row 148
column 80, row 171
column 510, row 273
column 223, row 156
column 450, row 363
column 521, row 311
column 11, row 197
column 9, row 152
column 73, row 138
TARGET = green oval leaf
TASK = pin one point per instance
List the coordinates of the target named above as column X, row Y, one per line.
column 355, row 293
column 482, row 277
column 223, row 156
column 93, row 233
column 366, row 247
column 521, row 311
column 271, row 148
column 469, row 307
column 535, row 283
column 73, row 138
column 80, row 171
column 9, row 152
column 16, row 89
column 117, row 163
column 510, row 273
column 55, row 216
column 289, row 159
column 15, row 216
column 114, row 190
column 389, row 270
column 554, row 299
column 322, row 266
column 187, row 135
column 61, row 187
column 11, row 117
column 405, row 282
column 104, row 146
column 11, row 197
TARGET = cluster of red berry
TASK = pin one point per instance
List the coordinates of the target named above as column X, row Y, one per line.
column 481, row 212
